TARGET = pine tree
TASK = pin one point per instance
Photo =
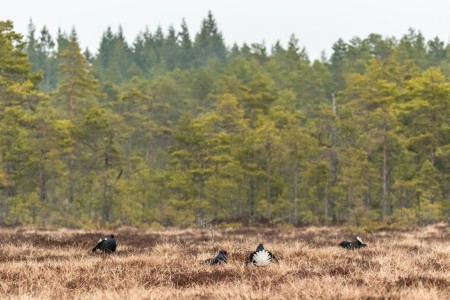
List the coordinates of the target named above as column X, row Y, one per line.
column 209, row 43
column 18, row 91
column 412, row 46
column 171, row 50
column 42, row 56
column 371, row 97
column 186, row 50
column 77, row 91
column 423, row 113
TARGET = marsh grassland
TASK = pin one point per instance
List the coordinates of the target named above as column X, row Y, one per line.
column 58, row 264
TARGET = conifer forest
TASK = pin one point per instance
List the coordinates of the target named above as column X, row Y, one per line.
column 177, row 125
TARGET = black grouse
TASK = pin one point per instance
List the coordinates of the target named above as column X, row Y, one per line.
column 106, row 245
column 221, row 258
column 355, row 244
column 261, row 257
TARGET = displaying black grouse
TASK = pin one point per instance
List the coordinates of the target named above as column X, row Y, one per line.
column 261, row 257
column 355, row 244
column 221, row 258
column 106, row 245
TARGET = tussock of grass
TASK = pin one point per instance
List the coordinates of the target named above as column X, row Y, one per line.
column 167, row 265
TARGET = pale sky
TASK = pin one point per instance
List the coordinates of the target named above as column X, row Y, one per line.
column 316, row 23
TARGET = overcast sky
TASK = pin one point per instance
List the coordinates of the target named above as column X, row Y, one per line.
column 316, row 23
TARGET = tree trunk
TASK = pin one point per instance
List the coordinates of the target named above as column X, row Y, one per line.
column 269, row 179
column 71, row 181
column 107, row 197
column 268, row 191
column 251, row 197
column 385, row 195
column 329, row 203
column 295, row 196
column 106, row 202
column 43, row 180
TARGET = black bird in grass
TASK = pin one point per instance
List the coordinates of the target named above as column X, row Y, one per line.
column 261, row 257
column 221, row 258
column 106, row 245
column 355, row 244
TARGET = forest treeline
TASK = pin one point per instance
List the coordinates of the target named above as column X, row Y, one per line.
column 175, row 126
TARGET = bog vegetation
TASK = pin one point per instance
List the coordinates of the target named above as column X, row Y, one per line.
column 167, row 265
column 176, row 125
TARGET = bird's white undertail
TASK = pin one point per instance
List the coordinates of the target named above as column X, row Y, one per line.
column 262, row 258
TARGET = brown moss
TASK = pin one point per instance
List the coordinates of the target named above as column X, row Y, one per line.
column 166, row 265
column 423, row 281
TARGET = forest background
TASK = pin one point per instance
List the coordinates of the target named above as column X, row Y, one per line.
column 176, row 127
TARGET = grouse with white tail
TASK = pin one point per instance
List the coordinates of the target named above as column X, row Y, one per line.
column 355, row 244
column 106, row 245
column 221, row 258
column 261, row 257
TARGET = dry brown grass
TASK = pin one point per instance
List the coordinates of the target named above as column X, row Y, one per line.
column 166, row 265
